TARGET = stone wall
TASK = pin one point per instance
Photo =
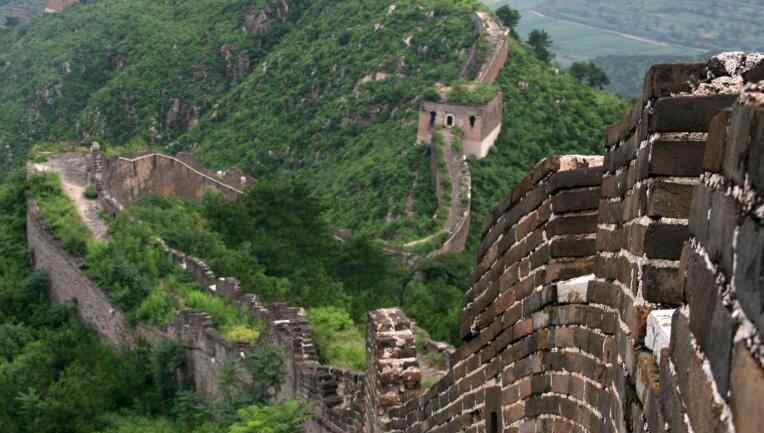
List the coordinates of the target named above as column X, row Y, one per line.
column 125, row 179
column 206, row 350
column 624, row 295
column 70, row 285
column 480, row 125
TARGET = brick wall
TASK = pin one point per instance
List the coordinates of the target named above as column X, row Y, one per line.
column 624, row 295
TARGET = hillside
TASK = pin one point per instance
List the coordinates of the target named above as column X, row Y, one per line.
column 18, row 10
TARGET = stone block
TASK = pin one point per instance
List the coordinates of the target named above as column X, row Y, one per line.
column 670, row 200
column 573, row 246
column 665, row 241
column 582, row 177
column 662, row 285
column 716, row 142
column 575, row 200
column 747, row 391
column 658, row 334
column 749, row 275
column 724, row 220
column 680, row 158
column 572, row 225
column 574, row 291
column 687, row 113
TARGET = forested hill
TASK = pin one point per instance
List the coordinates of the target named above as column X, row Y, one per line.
column 326, row 90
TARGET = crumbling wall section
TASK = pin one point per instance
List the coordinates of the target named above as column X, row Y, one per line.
column 124, row 180
column 70, row 285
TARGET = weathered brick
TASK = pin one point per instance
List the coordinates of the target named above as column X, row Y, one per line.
column 699, row 213
column 687, row 113
column 664, row 241
column 572, row 225
column 670, row 200
column 724, row 215
column 749, row 275
column 672, row 158
column 747, row 390
column 582, row 177
column 575, row 200
column 704, row 412
column 573, row 246
column 716, row 142
column 661, row 285
column 720, row 333
column 667, row 79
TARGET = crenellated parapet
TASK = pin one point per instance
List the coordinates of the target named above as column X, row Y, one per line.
column 394, row 375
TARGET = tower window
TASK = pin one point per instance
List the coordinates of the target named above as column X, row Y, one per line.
column 473, row 119
column 450, row 121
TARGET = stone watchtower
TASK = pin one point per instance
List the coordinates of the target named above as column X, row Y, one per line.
column 56, row 6
column 473, row 109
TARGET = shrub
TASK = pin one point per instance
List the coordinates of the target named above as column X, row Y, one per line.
column 283, row 418
column 91, row 193
column 339, row 341
column 59, row 213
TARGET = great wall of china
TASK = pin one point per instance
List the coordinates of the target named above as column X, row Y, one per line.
column 620, row 293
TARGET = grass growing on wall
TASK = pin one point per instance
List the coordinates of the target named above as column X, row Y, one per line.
column 59, row 213
column 339, row 341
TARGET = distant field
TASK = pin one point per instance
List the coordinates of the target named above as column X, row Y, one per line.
column 576, row 42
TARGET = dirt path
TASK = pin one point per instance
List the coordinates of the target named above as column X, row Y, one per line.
column 72, row 168
column 454, row 167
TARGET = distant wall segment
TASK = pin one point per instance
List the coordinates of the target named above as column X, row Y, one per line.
column 124, row 180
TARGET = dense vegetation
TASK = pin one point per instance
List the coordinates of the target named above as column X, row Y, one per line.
column 131, row 266
column 57, row 377
column 276, row 242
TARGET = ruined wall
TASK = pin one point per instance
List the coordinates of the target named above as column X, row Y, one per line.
column 206, row 350
column 70, row 285
column 126, row 179
column 480, row 125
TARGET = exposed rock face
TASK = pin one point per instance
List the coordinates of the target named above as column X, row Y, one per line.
column 258, row 20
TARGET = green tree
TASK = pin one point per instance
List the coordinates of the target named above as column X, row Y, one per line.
column 509, row 17
column 284, row 418
column 540, row 41
column 589, row 73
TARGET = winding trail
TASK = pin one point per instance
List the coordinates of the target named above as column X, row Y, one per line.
column 72, row 168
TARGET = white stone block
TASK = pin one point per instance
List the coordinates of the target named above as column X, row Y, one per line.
column 573, row 291
column 658, row 334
